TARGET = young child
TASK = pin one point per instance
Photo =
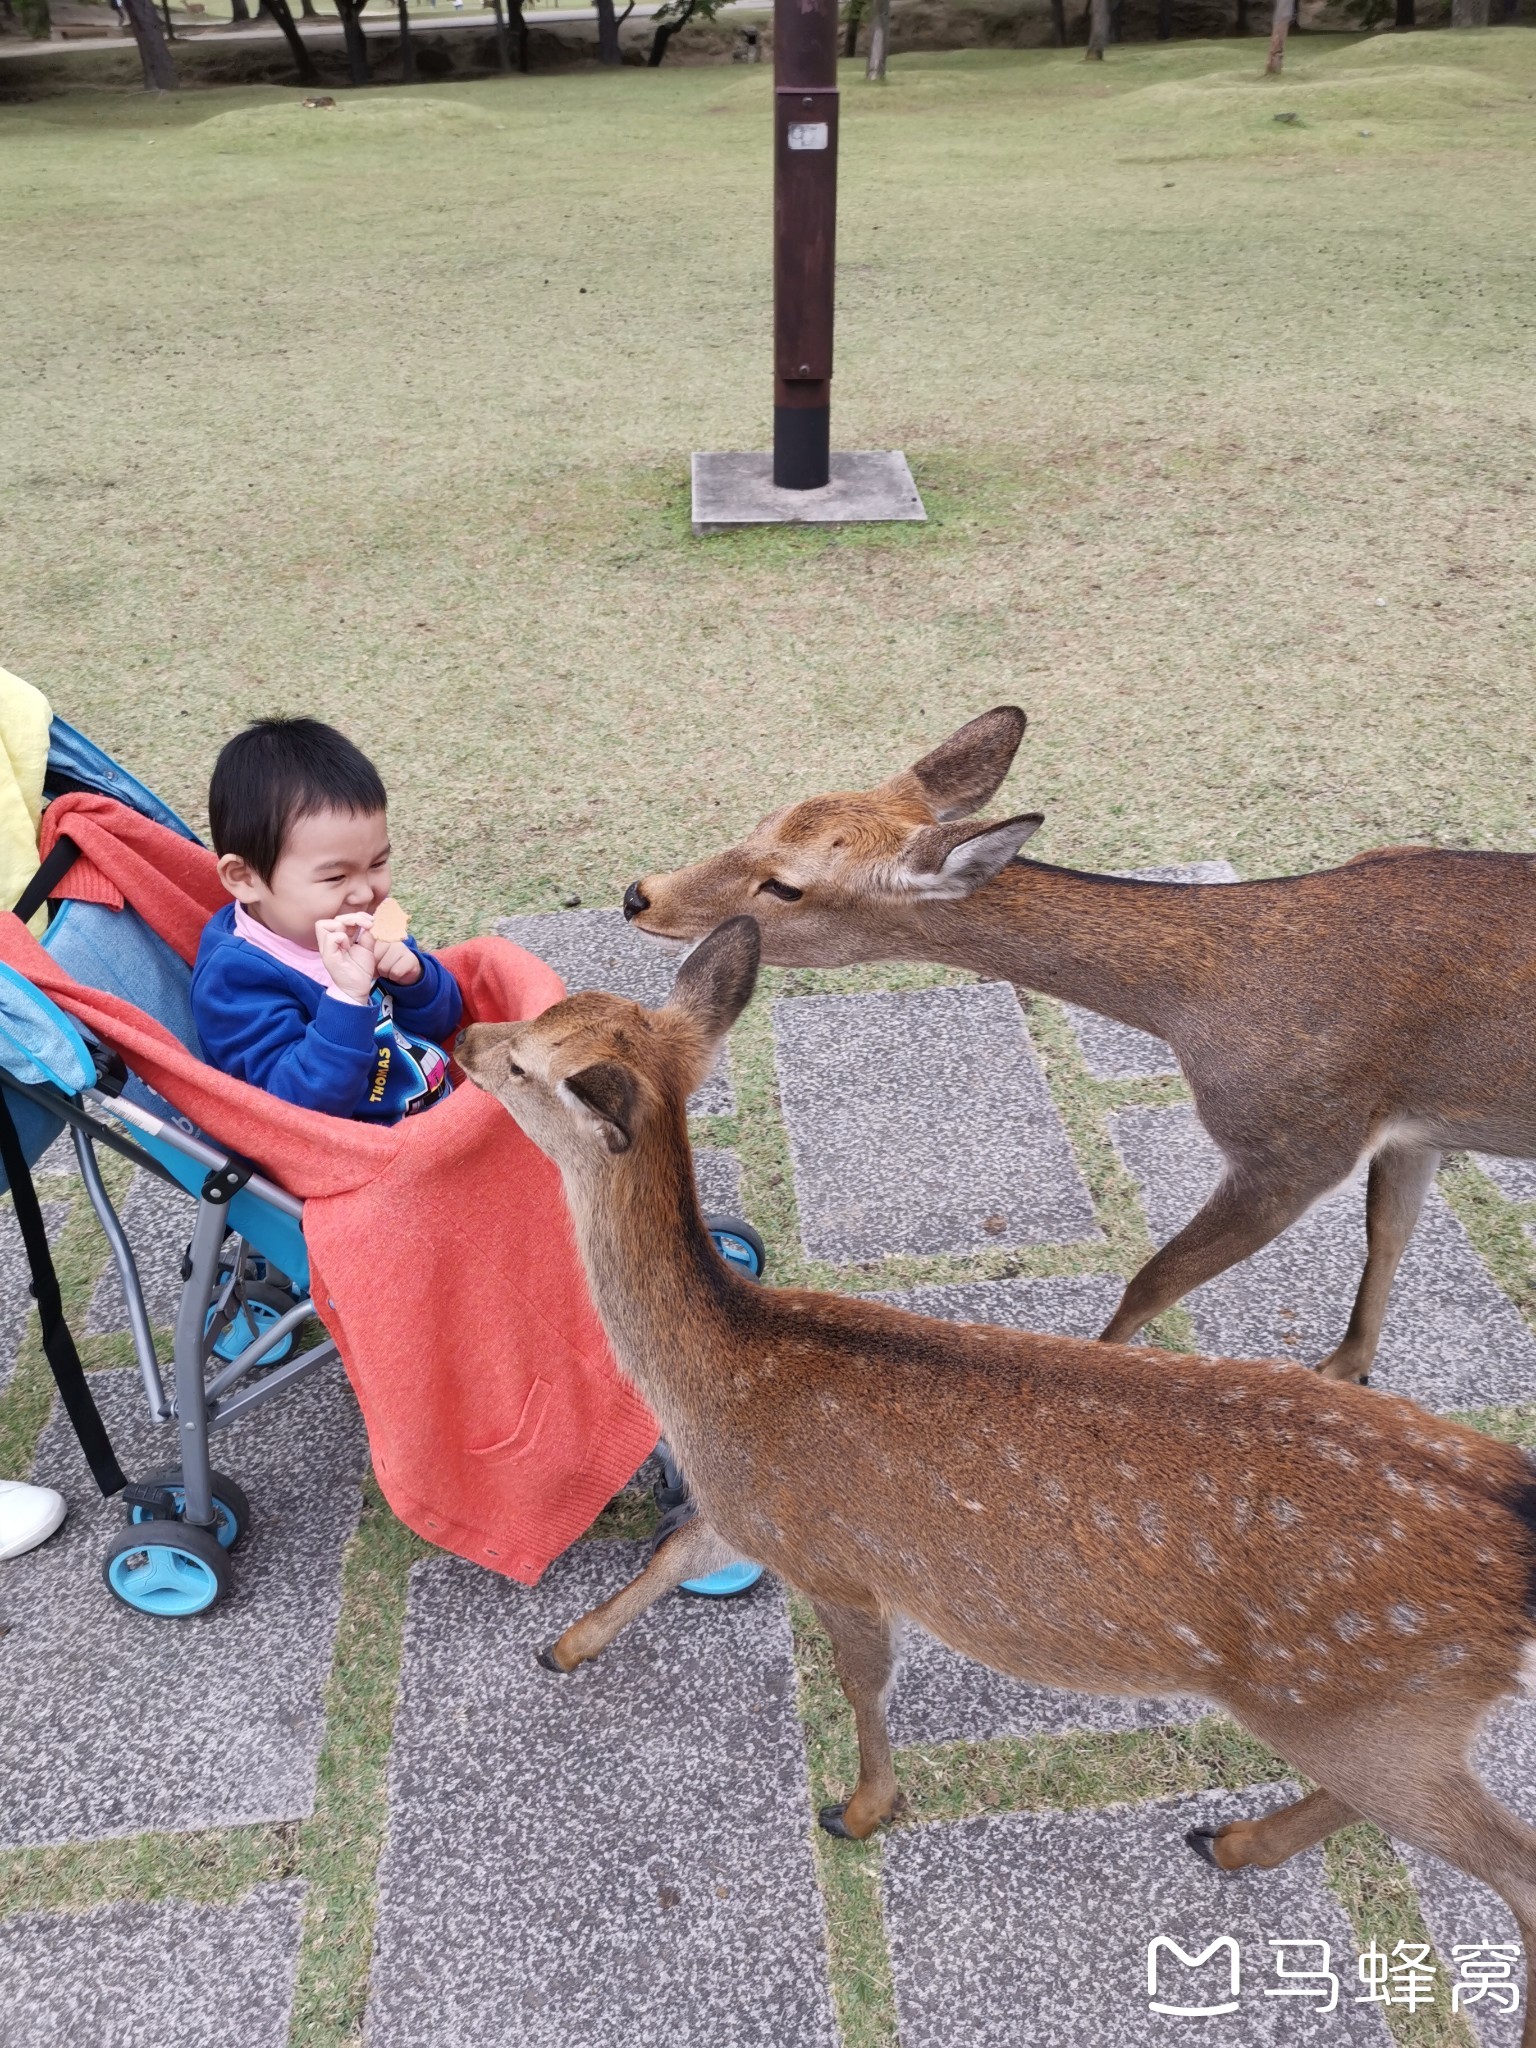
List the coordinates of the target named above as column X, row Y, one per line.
column 291, row 991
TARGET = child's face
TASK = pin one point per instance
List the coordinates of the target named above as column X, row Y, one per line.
column 331, row 861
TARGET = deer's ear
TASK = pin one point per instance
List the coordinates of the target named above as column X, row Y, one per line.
column 715, row 982
column 947, row 861
column 967, row 770
column 606, row 1091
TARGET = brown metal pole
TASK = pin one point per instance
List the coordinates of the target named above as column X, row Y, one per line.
column 804, row 233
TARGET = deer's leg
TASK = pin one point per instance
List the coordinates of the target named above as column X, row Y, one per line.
column 1399, row 1180
column 864, row 1651
column 1456, row 1817
column 1246, row 1211
column 1262, row 1844
column 692, row 1553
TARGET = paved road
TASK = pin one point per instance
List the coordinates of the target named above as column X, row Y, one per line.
column 445, row 18
column 623, row 1858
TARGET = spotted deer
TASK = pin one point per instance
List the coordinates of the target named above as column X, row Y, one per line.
column 1382, row 1011
column 1349, row 1576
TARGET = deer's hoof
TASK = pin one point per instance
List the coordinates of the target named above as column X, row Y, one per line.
column 549, row 1660
column 831, row 1818
column 1203, row 1842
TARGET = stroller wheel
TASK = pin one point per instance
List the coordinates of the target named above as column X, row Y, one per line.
column 739, row 1245
column 261, row 1306
column 231, row 1509
column 167, row 1569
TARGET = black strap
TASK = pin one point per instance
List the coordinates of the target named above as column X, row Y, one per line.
column 68, row 1372
column 42, row 885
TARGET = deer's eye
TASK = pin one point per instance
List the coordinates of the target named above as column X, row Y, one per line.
column 515, row 1072
column 782, row 890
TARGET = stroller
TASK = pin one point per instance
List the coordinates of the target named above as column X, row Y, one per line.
column 240, row 1337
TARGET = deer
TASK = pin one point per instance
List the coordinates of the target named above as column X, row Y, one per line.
column 1379, row 1012
column 1346, row 1574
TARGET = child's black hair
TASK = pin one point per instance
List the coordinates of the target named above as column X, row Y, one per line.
column 277, row 771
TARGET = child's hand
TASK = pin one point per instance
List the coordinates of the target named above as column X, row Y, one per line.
column 394, row 961
column 347, row 949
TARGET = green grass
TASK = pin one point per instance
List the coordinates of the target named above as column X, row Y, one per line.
column 1226, row 432
column 386, row 414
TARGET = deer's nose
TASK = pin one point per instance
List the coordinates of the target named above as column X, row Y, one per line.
column 635, row 900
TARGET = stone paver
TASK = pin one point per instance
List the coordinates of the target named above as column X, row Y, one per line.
column 112, row 1722
column 598, row 949
column 158, row 1220
column 941, row 1696
column 1460, row 1911
column 140, row 1976
column 1515, row 1179
column 1451, row 1339
column 16, row 1279
column 619, row 1858
column 1114, row 1051
column 717, row 1176
column 921, row 1122
column 1032, row 1931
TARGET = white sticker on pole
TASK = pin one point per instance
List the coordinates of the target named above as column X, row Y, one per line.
column 807, row 134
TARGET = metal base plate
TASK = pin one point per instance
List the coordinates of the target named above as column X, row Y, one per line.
column 738, row 490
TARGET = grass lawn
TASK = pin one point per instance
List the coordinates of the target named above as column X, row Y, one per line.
column 1227, row 431
column 1225, row 425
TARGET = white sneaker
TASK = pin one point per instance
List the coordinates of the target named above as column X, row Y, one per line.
column 28, row 1516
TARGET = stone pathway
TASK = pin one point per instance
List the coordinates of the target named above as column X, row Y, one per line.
column 623, row 1857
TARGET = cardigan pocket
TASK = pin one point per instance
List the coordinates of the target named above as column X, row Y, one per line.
column 525, row 1434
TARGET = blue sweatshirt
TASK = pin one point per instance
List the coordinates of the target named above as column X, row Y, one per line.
column 269, row 1024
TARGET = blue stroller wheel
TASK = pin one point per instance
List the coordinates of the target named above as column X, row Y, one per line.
column 727, row 1583
column 260, row 1308
column 739, row 1245
column 167, row 1570
column 231, row 1509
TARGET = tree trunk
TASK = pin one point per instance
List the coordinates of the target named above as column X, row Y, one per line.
column 515, row 9
column 357, row 43
column 1098, row 31
column 1059, row 22
column 1284, row 10
column 1240, row 25
column 307, row 9
column 1164, row 20
column 282, row 14
column 1116, row 10
column 154, row 53
column 407, row 48
column 238, row 11
column 851, row 28
column 666, row 30
column 1469, row 13
column 1406, row 17
column 879, row 41
column 607, row 34
column 503, row 48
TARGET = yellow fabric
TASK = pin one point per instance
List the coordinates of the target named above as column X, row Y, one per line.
column 25, row 716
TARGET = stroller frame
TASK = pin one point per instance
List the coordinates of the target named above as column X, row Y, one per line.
column 198, row 1403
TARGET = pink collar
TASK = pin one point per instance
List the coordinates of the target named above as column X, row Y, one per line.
column 305, row 959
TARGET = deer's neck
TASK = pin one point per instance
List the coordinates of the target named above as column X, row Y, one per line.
column 664, row 1296
column 1134, row 950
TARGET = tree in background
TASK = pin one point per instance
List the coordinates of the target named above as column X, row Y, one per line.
column 1285, row 14
column 1469, row 13
column 608, row 26
column 154, row 51
column 355, row 40
column 280, row 12
column 674, row 15
column 851, row 22
column 407, row 48
column 879, row 41
column 1098, row 31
